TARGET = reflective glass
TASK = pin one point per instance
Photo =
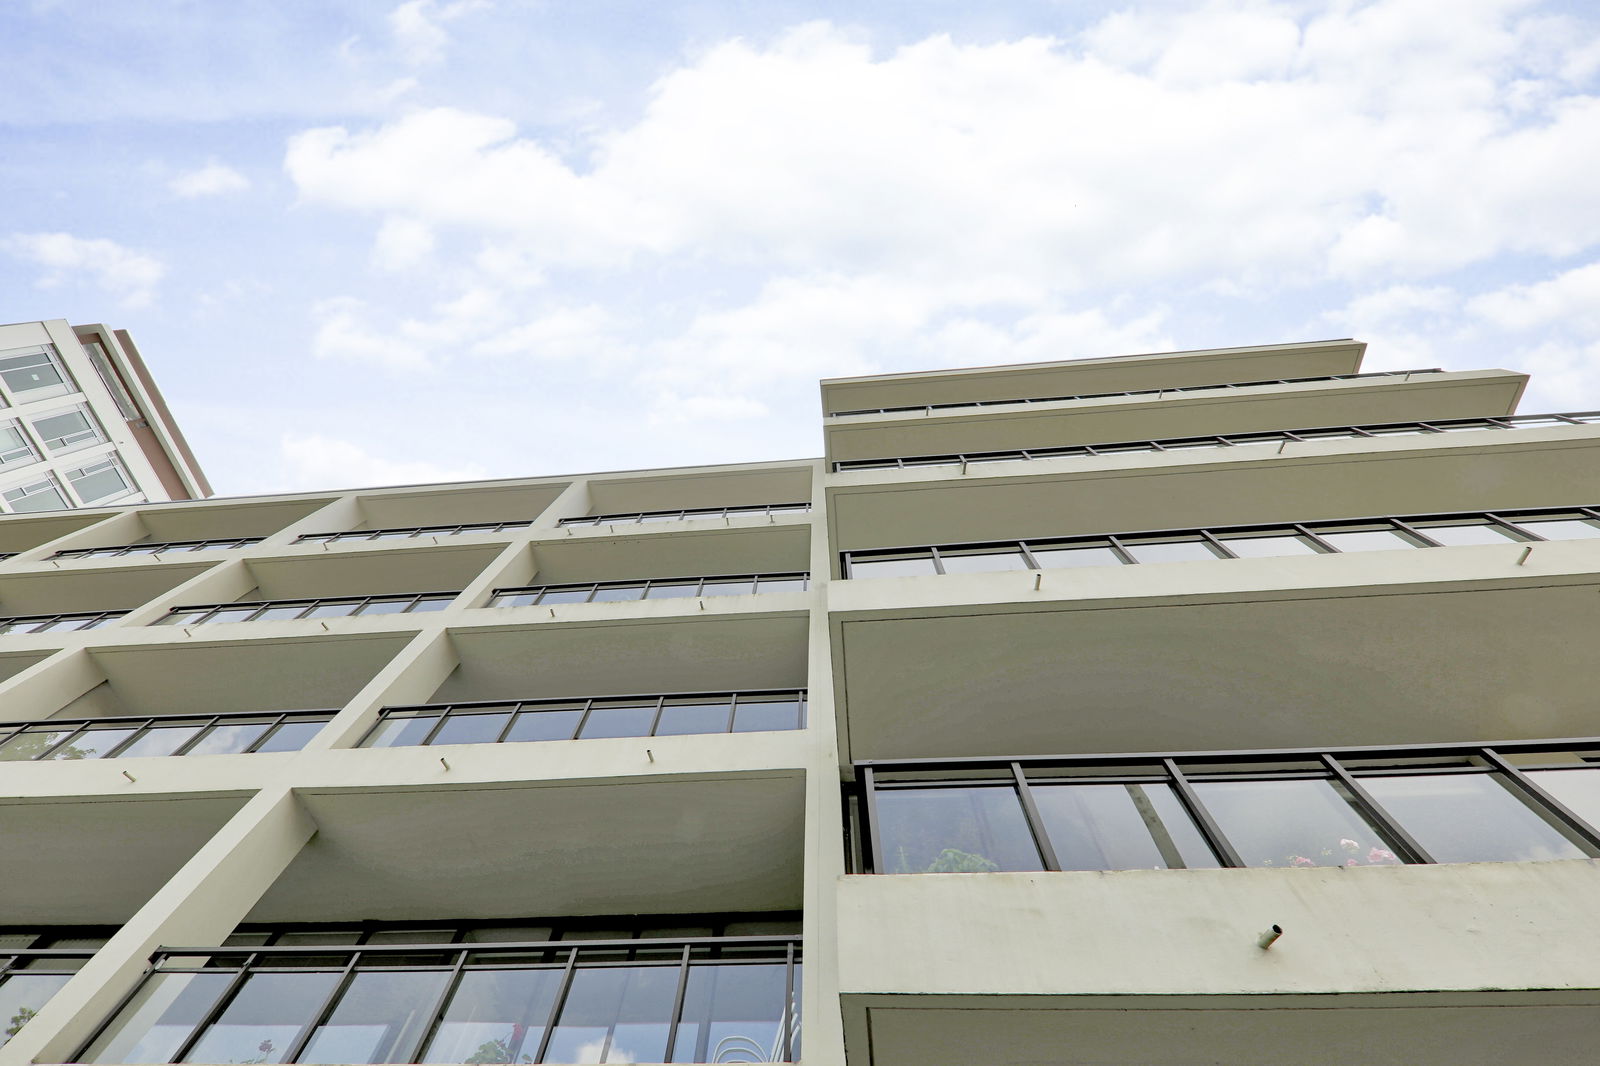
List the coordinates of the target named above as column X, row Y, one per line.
column 1293, row 823
column 892, row 566
column 728, row 587
column 577, row 595
column 978, row 562
column 1168, row 551
column 333, row 610
column 474, row 728
column 1469, row 818
column 385, row 607
column 618, row 592
column 1075, row 556
column 431, row 603
column 781, row 584
column 694, row 716
column 32, row 744
column 1559, row 528
column 21, row 996
column 262, row 1020
column 233, row 614
column 94, row 743
column 400, row 731
column 1577, row 790
column 672, row 591
column 1267, row 545
column 495, row 1016
column 159, row 1018
column 1120, row 827
column 163, row 739
column 615, row 1014
column 1365, row 540
column 381, row 1017
column 619, row 720
column 291, row 736
column 752, row 714
column 978, row 829
column 545, row 725
column 732, row 1013
column 1460, row 533
column 228, row 739
column 182, row 618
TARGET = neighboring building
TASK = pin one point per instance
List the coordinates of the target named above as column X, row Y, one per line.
column 1005, row 734
column 82, row 423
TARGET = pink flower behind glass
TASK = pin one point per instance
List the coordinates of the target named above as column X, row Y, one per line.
column 1380, row 855
column 1352, row 862
column 1301, row 860
column 1349, row 845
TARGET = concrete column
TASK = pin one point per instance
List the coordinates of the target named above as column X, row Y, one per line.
column 571, row 502
column 124, row 528
column 201, row 904
column 221, row 583
column 333, row 517
column 49, row 685
column 411, row 677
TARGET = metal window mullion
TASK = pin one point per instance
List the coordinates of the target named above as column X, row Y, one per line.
column 556, row 1005
column 511, row 720
column 1203, row 821
column 69, row 738
column 434, row 1016
column 1406, row 527
column 266, row 733
column 1030, row 811
column 183, row 749
column 874, row 842
column 106, row 1022
column 583, row 719
column 210, row 1017
column 1120, row 552
column 1306, row 532
column 938, row 563
column 1495, row 519
column 1412, row 850
column 677, row 1007
column 320, row 1015
column 1528, row 787
column 788, row 1002
column 444, row 716
column 1206, row 537
column 1028, row 558
column 138, row 733
column 655, row 720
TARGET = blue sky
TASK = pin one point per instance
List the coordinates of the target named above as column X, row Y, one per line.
column 380, row 242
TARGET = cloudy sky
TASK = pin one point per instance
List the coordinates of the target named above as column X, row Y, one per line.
column 368, row 242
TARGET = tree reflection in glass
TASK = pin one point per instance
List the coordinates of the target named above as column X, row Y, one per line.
column 978, row 829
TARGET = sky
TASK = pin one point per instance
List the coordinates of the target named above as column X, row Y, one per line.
column 399, row 241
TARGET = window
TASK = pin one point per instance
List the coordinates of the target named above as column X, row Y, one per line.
column 278, row 610
column 130, row 738
column 68, row 430
column 653, row 589
column 42, row 495
column 14, row 447
column 102, row 480
column 34, row 374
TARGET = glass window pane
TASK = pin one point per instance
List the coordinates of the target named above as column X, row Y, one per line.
column 545, row 725
column 93, row 743
column 1267, row 545
column 1455, row 533
column 1074, row 556
column 892, row 566
column 619, row 720
column 752, row 715
column 431, row 603
column 233, row 614
column 1293, row 823
column 263, row 1018
column 98, row 482
column 672, row 590
column 1579, row 790
column 1365, row 540
column 495, row 1016
column 1119, row 827
column 1469, row 818
column 781, row 584
column 1169, row 551
column 476, row 728
column 679, row 717
column 400, row 732
column 728, row 587
column 159, row 1018
column 21, row 996
column 954, row 830
column 161, row 740
column 32, row 744
column 28, row 373
column 380, row 1018
column 980, row 562
column 1558, row 528
column 732, row 1013
column 333, row 610
column 615, row 1014
column 385, row 607
column 228, row 739
column 291, row 736
column 618, row 592
column 578, row 595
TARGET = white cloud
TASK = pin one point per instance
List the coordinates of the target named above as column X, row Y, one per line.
column 345, row 332
column 402, row 243
column 315, row 461
column 213, row 179
column 1570, row 300
column 129, row 276
column 419, row 27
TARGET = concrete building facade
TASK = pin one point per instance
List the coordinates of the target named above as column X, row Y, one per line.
column 1209, row 707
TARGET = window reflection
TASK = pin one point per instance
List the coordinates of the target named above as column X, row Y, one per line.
column 1470, row 818
column 1293, row 823
column 495, row 1016
column 955, row 830
column 1120, row 827
column 615, row 1014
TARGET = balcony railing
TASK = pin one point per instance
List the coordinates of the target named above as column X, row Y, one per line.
column 409, row 532
column 168, row 734
column 929, row 408
column 117, row 551
column 1512, row 801
column 1329, row 537
column 322, row 607
column 663, row 588
column 58, row 623
column 702, row 999
column 1225, row 440
column 29, row 977
column 506, row 721
column 647, row 517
